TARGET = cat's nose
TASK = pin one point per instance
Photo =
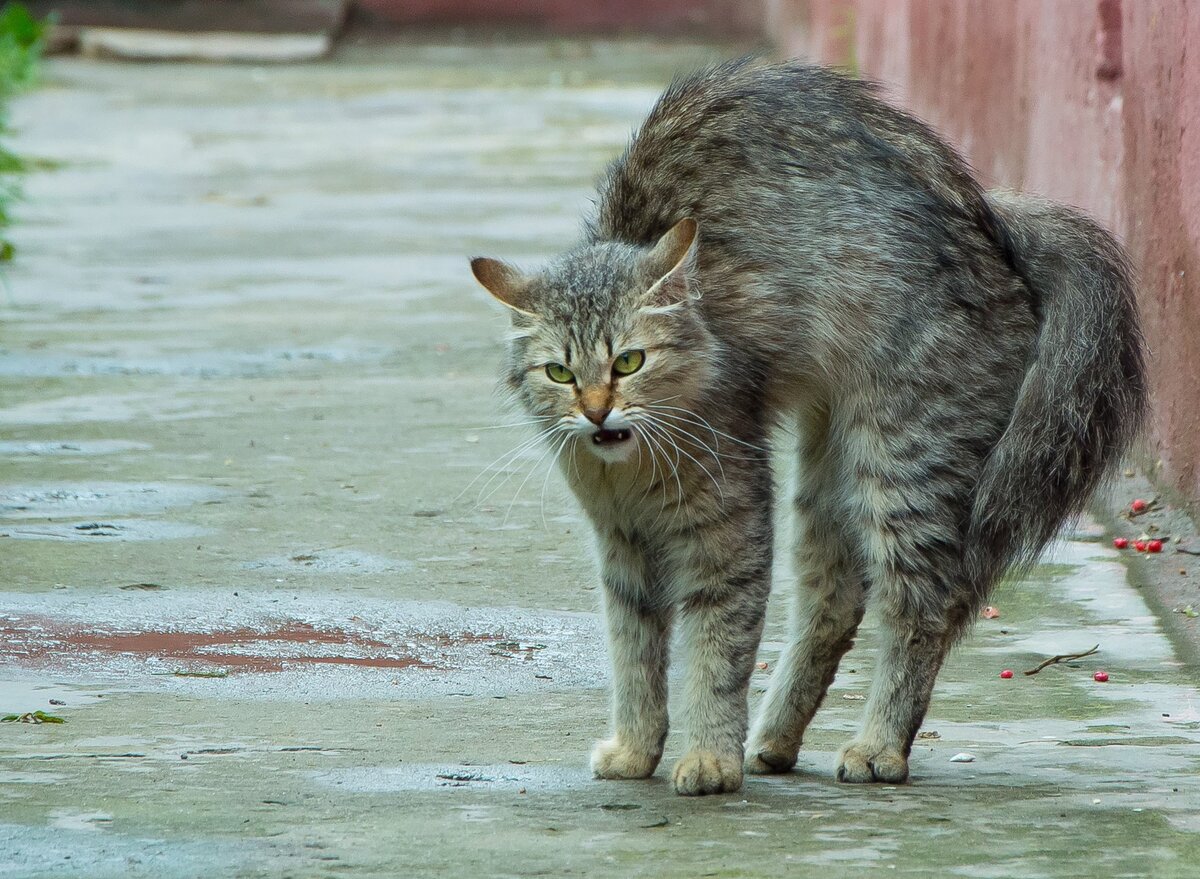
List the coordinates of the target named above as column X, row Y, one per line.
column 597, row 416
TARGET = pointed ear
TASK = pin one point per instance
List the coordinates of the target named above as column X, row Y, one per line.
column 503, row 281
column 670, row 261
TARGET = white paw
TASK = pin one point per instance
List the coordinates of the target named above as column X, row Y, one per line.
column 612, row 759
column 702, row 772
column 862, row 763
column 769, row 758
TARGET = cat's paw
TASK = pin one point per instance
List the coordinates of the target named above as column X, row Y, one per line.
column 862, row 763
column 702, row 772
column 768, row 758
column 612, row 759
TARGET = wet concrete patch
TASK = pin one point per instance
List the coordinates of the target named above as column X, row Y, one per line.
column 84, row 408
column 69, row 448
column 210, row 363
column 409, row 777
column 62, row 500
column 40, row 641
column 116, row 529
column 35, row 512
column 330, row 561
column 17, row 697
column 295, row 648
column 79, row 844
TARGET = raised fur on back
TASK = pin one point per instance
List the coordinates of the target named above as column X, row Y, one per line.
column 775, row 246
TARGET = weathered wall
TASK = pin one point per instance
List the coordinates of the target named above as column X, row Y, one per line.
column 1094, row 102
column 661, row 16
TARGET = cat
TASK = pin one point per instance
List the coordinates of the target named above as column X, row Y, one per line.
column 778, row 246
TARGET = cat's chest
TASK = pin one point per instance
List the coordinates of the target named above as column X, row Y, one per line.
column 616, row 501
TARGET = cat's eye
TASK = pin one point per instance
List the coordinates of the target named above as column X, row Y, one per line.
column 629, row 362
column 556, row 372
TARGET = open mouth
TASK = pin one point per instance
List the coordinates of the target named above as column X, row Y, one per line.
column 604, row 437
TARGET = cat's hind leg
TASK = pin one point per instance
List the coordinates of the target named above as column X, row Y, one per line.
column 827, row 608
column 915, row 644
column 914, row 459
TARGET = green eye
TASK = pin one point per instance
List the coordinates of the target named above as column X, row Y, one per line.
column 559, row 373
column 629, row 362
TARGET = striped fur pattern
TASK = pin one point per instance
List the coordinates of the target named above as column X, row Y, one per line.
column 961, row 368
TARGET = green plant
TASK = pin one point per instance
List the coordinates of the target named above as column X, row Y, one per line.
column 20, row 52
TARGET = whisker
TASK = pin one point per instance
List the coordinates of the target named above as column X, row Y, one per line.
column 652, row 455
column 680, row 503
column 502, row 461
column 716, row 456
column 517, row 494
column 546, row 481
column 696, row 461
column 677, row 424
column 501, row 466
column 700, row 421
column 542, row 420
column 656, row 448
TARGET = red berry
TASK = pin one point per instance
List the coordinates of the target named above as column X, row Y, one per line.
column 1006, row 674
column 1154, row 546
column 1139, row 545
column 1120, row 542
column 1138, row 506
column 1100, row 677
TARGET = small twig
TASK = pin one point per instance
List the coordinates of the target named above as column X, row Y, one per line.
column 1062, row 657
column 1187, row 551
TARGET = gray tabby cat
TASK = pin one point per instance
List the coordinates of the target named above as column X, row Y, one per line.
column 777, row 246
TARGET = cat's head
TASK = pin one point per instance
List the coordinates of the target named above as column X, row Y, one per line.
column 608, row 347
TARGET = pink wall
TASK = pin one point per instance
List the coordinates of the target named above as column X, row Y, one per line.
column 1093, row 102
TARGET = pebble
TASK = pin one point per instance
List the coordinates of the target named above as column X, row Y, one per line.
column 963, row 757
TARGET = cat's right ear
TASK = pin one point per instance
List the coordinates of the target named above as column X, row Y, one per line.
column 671, row 261
column 504, row 282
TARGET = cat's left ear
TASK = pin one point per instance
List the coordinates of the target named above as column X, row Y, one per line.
column 504, row 282
column 671, row 261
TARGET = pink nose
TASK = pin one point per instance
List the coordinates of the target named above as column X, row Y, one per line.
column 596, row 416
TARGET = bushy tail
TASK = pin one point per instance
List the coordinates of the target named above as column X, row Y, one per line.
column 1084, row 395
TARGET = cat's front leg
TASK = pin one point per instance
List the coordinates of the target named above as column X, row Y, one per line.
column 638, row 643
column 720, row 624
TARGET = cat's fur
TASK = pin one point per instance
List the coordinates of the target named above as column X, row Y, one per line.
column 962, row 369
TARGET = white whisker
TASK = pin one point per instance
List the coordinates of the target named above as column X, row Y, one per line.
column 680, row 450
column 498, row 464
column 501, row 467
column 549, row 448
column 700, row 421
column 535, row 421
column 655, row 430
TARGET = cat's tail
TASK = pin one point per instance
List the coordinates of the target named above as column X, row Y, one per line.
column 1084, row 395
